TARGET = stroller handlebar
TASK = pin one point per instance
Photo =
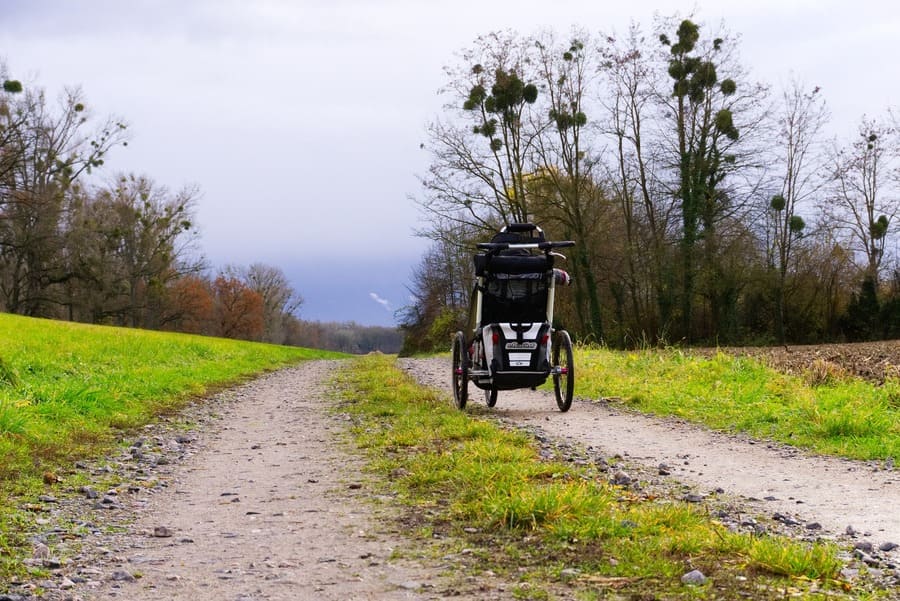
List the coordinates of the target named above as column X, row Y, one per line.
column 545, row 246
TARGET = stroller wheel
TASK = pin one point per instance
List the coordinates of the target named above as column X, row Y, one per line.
column 563, row 371
column 460, row 375
column 490, row 397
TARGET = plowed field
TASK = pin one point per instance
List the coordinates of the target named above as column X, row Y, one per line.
column 872, row 361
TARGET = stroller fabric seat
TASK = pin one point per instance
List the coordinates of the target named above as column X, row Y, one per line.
column 515, row 298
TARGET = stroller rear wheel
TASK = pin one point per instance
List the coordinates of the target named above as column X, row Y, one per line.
column 563, row 371
column 460, row 374
column 490, row 396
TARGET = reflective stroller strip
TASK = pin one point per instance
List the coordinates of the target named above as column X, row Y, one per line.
column 519, row 359
column 479, row 287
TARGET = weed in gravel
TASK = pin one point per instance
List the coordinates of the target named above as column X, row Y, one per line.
column 815, row 562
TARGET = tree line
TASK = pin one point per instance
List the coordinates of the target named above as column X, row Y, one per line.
column 707, row 208
column 125, row 252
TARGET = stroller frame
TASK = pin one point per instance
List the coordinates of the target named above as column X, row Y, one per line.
column 510, row 342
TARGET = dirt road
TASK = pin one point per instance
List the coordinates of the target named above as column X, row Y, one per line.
column 269, row 507
column 836, row 494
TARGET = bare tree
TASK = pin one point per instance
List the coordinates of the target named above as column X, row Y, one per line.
column 239, row 310
column 127, row 243
column 563, row 182
column 631, row 115
column 280, row 300
column 708, row 113
column 439, row 292
column 480, row 157
column 11, row 122
column 800, row 117
column 864, row 195
column 51, row 151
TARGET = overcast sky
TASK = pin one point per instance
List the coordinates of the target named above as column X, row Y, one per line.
column 300, row 120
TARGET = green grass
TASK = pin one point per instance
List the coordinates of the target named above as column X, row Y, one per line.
column 67, row 391
column 65, row 386
column 842, row 416
column 530, row 518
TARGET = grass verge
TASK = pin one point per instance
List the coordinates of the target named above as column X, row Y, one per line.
column 838, row 416
column 549, row 525
column 67, row 391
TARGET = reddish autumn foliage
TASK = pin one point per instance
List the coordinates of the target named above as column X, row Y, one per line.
column 190, row 306
column 239, row 311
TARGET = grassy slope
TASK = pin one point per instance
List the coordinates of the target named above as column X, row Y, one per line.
column 65, row 387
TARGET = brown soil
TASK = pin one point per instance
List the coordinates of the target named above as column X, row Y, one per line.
column 872, row 361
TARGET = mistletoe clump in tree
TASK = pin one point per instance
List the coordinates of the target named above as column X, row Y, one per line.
column 705, row 129
column 500, row 121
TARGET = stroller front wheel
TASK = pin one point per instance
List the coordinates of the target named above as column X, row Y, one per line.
column 490, row 396
column 460, row 375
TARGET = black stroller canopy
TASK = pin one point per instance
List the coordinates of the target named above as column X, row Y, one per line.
column 509, row 251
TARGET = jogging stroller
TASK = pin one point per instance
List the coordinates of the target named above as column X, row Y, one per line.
column 510, row 342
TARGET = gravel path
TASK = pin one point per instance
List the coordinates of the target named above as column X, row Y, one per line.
column 272, row 510
column 824, row 494
column 260, row 502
